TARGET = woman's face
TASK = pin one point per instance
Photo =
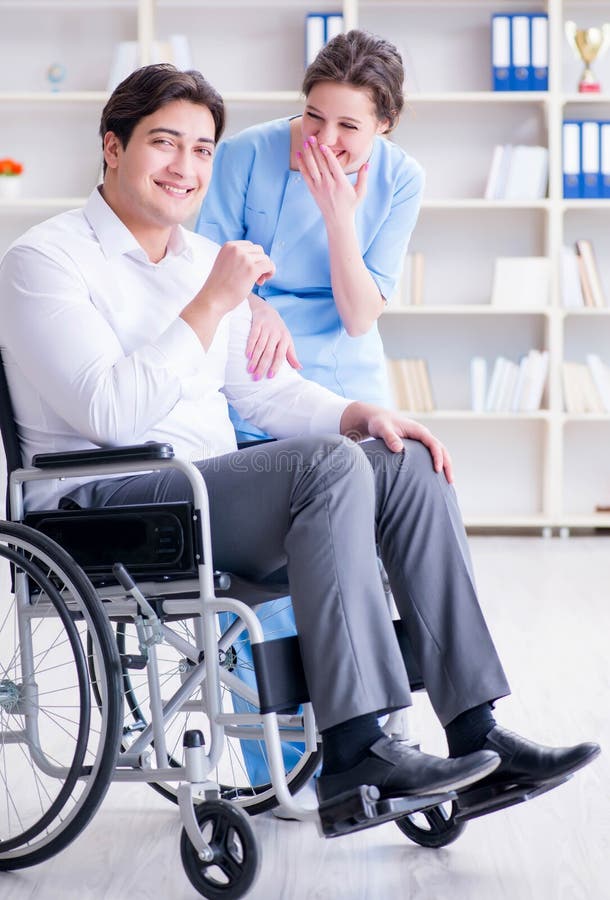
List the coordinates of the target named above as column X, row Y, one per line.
column 343, row 117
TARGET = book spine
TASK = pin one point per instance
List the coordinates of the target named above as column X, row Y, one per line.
column 521, row 57
column 334, row 26
column 604, row 154
column 478, row 383
column 539, row 39
column 590, row 160
column 417, row 279
column 571, row 160
column 315, row 35
column 500, row 52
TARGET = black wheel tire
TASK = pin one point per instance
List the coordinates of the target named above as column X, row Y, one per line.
column 33, row 543
column 234, row 868
column 438, row 826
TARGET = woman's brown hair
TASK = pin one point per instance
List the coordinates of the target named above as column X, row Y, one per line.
column 362, row 60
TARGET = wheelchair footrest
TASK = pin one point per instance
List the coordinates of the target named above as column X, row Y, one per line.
column 363, row 808
column 481, row 801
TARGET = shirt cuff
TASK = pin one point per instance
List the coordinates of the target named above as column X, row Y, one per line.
column 327, row 418
column 181, row 348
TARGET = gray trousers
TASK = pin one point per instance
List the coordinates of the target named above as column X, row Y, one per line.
column 320, row 505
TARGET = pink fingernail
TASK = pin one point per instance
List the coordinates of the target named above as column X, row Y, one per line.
column 299, row 154
column 323, row 148
column 305, row 145
column 270, row 374
column 256, row 378
column 366, row 166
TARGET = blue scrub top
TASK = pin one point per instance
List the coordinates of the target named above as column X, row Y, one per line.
column 254, row 196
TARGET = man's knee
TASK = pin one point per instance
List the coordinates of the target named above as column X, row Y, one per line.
column 413, row 466
column 337, row 460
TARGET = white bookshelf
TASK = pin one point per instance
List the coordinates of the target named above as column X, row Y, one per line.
column 543, row 470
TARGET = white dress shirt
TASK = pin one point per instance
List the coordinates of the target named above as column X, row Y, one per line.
column 96, row 354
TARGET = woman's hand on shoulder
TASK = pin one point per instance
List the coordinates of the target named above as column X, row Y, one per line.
column 269, row 342
column 330, row 187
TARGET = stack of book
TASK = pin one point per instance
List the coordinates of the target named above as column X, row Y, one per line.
column 410, row 287
column 512, row 387
column 518, row 173
column 520, row 51
column 586, row 386
column 586, row 159
column 410, row 384
column 581, row 285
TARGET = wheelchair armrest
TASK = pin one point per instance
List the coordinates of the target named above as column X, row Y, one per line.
column 243, row 445
column 136, row 452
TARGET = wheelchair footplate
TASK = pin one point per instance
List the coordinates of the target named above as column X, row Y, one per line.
column 476, row 802
column 363, row 808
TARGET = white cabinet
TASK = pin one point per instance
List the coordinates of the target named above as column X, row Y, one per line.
column 543, row 469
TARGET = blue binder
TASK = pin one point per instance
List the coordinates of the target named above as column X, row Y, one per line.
column 539, row 45
column 604, row 159
column 500, row 52
column 521, row 59
column 589, row 159
column 571, row 160
column 315, row 35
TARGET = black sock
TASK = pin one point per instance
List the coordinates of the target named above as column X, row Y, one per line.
column 467, row 732
column 346, row 744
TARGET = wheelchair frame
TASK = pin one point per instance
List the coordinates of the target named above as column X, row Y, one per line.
column 147, row 759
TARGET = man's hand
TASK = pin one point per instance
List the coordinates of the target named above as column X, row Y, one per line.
column 269, row 342
column 238, row 266
column 362, row 420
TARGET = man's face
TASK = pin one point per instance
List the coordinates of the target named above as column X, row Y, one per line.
column 160, row 178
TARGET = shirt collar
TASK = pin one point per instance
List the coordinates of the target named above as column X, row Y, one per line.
column 116, row 239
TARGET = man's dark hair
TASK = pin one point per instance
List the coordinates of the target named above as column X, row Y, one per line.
column 362, row 60
column 148, row 89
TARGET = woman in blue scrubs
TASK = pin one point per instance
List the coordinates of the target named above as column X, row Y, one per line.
column 333, row 203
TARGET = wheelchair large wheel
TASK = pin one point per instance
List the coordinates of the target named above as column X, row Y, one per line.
column 238, row 782
column 434, row 827
column 233, row 868
column 57, row 753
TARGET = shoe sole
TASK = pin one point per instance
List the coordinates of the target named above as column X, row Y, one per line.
column 525, row 781
column 453, row 785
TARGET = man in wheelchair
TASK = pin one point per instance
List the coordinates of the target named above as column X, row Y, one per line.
column 120, row 326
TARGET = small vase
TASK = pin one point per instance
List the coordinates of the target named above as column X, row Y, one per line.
column 10, row 187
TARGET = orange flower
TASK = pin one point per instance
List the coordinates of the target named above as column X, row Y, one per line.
column 10, row 167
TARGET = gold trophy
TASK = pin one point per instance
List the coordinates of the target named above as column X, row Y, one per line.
column 588, row 44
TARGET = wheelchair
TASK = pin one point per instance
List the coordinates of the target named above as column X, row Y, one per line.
column 113, row 666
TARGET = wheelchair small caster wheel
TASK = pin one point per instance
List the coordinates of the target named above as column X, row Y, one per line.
column 234, row 866
column 434, row 827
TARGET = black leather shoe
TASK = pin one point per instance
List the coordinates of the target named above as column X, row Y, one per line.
column 399, row 770
column 525, row 762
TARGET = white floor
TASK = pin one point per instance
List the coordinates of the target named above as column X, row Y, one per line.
column 548, row 606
